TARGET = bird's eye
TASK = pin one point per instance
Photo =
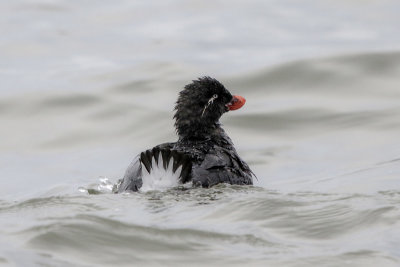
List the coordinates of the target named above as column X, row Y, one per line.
column 215, row 96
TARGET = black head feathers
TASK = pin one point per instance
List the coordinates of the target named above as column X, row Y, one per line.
column 199, row 107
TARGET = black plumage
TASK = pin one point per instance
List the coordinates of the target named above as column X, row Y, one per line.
column 204, row 150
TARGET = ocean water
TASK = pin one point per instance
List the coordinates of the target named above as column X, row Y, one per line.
column 87, row 86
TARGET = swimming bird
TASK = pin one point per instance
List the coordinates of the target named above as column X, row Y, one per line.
column 203, row 154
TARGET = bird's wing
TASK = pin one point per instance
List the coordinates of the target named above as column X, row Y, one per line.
column 132, row 180
column 221, row 165
column 152, row 160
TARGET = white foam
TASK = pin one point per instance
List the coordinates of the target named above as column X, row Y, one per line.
column 160, row 178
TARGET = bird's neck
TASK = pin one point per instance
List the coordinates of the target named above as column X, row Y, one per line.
column 211, row 136
column 200, row 132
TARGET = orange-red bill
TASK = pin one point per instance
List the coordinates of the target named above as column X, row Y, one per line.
column 236, row 103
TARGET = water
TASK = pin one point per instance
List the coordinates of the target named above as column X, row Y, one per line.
column 84, row 88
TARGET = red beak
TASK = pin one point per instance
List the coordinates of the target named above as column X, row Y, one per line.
column 236, row 102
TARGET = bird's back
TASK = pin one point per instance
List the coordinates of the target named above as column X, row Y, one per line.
column 204, row 162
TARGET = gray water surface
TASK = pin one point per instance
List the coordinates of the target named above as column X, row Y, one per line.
column 85, row 87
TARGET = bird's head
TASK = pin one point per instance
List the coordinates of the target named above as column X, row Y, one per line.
column 201, row 104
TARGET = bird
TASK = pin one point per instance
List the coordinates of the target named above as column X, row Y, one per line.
column 203, row 154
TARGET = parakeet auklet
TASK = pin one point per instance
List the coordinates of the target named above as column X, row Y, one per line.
column 203, row 154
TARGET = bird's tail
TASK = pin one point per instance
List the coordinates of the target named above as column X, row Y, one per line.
column 164, row 168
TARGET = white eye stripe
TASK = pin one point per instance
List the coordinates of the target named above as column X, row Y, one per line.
column 215, row 96
column 210, row 101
